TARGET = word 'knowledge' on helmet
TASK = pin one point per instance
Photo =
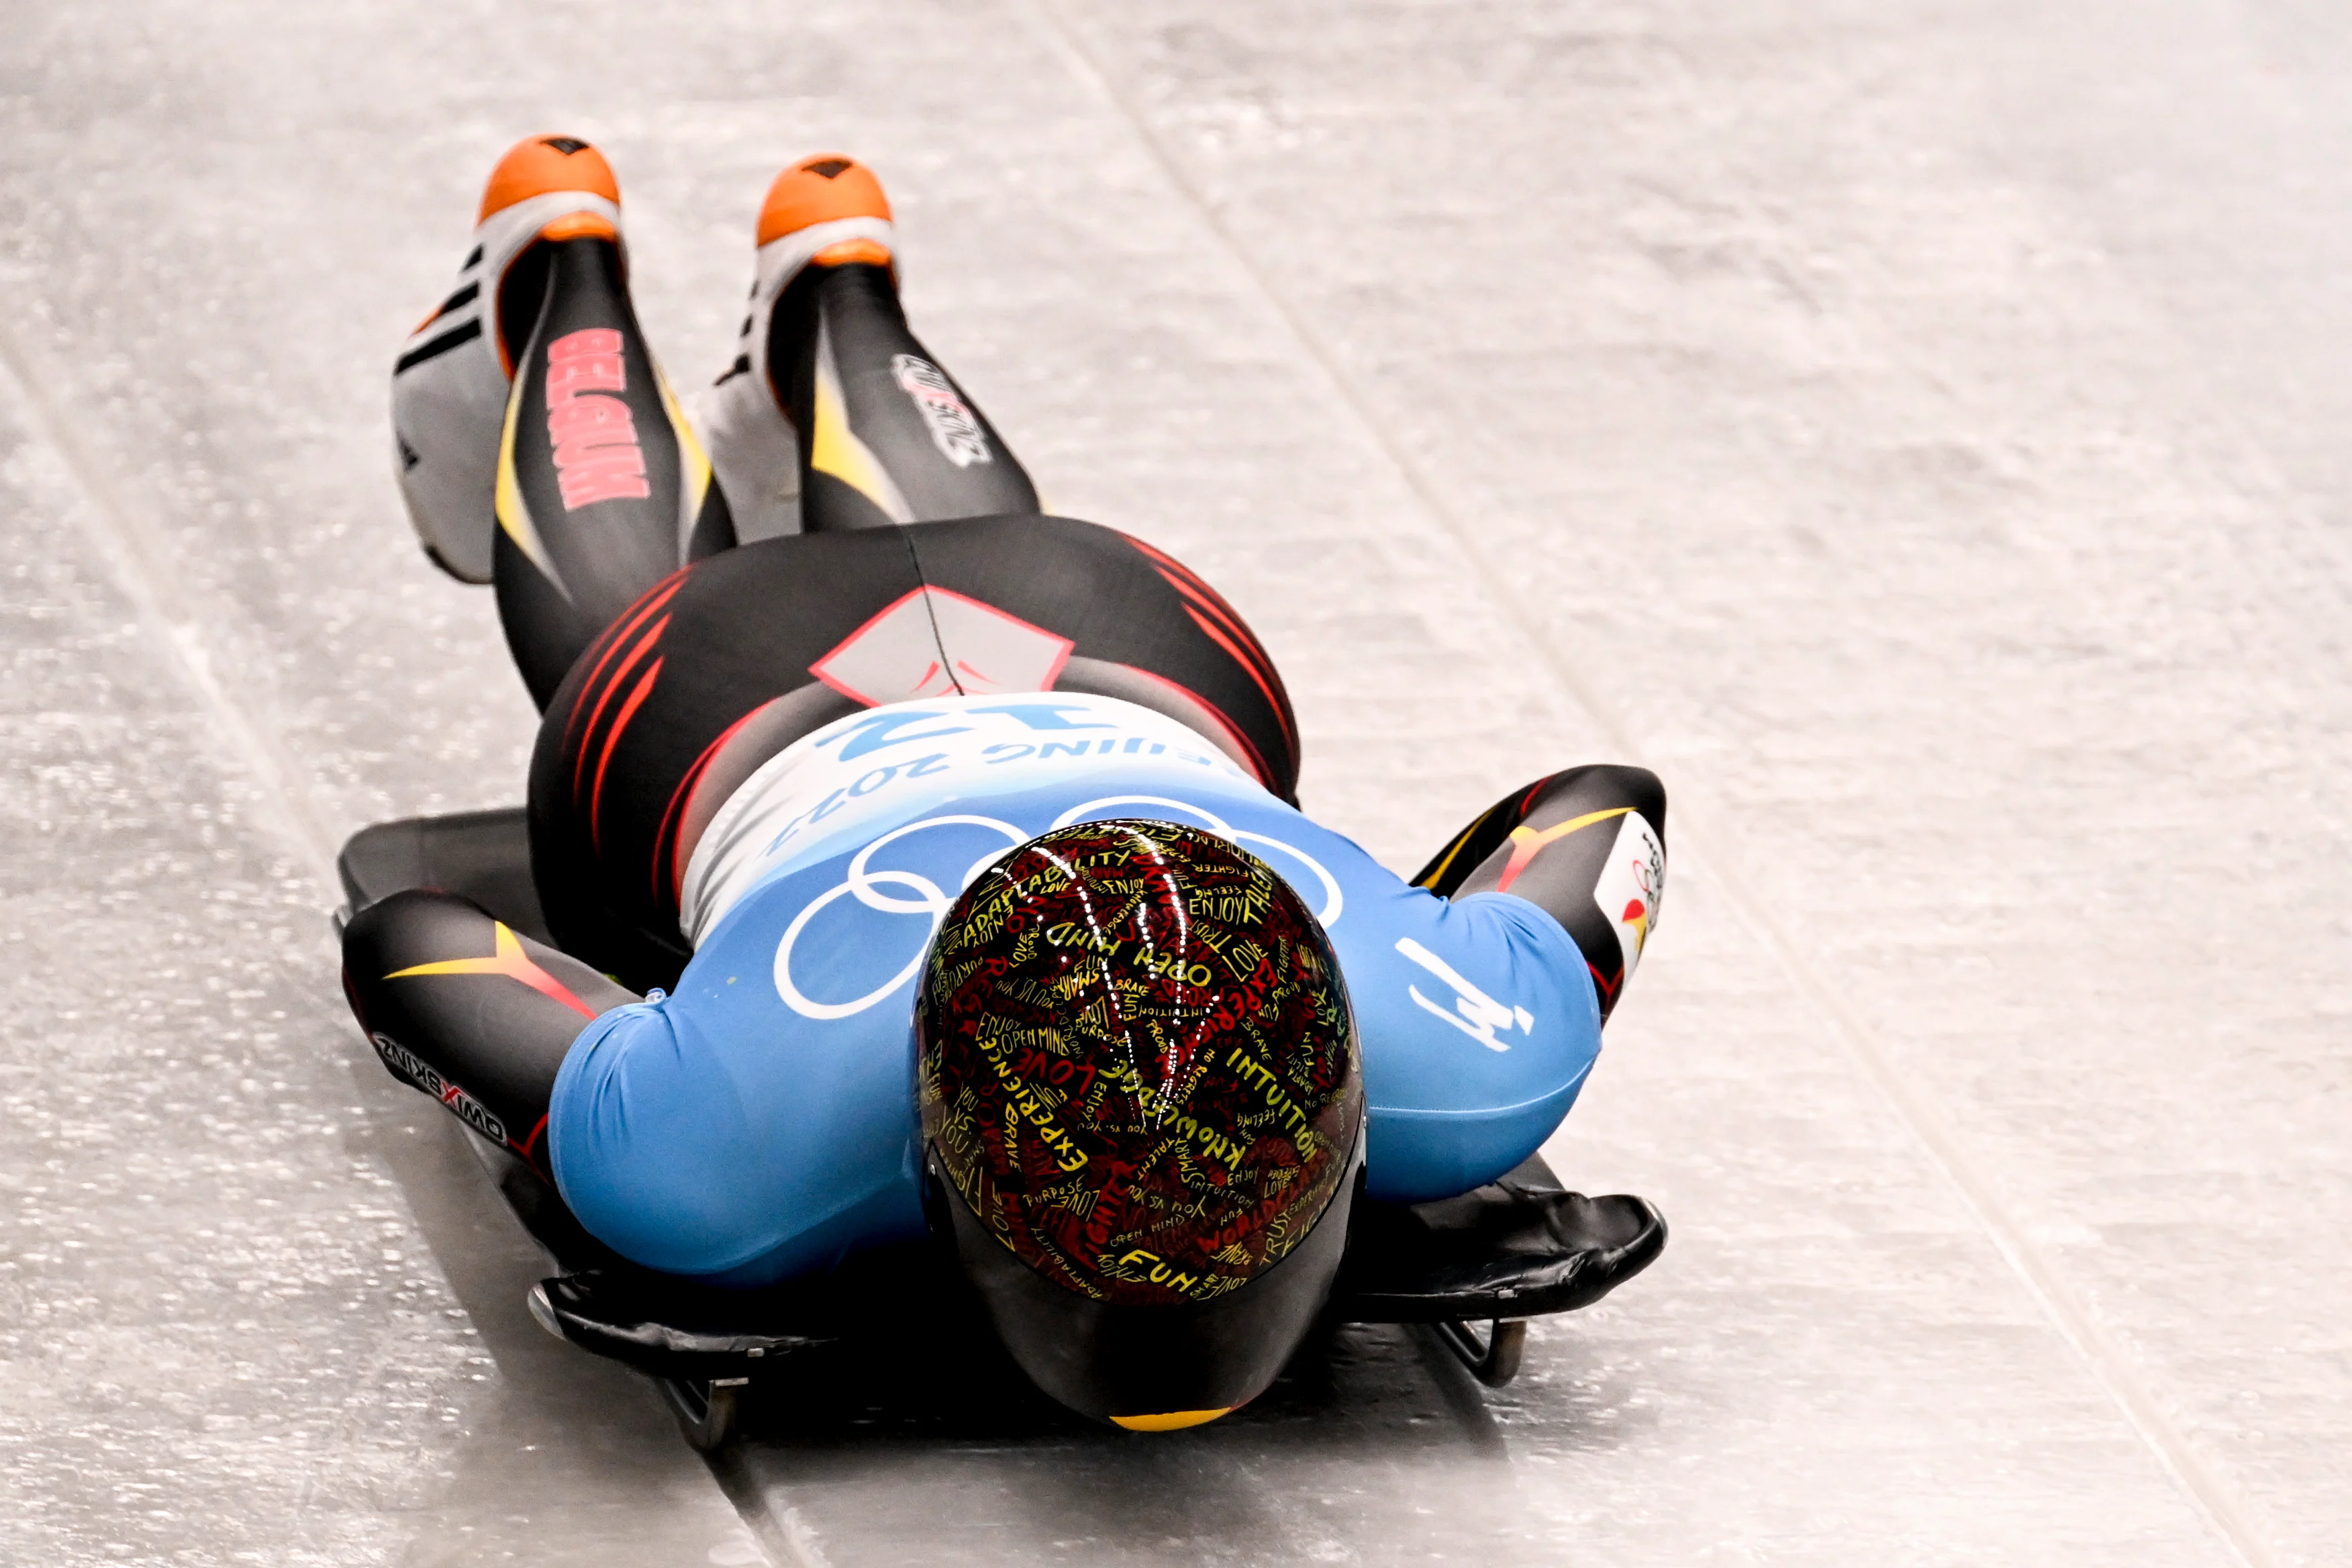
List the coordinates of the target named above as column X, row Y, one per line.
column 1144, row 1112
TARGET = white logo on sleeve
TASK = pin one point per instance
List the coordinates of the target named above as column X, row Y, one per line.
column 1475, row 1013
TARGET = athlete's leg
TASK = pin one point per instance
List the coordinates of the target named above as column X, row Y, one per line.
column 460, row 1006
column 831, row 397
column 540, row 447
column 450, row 384
column 1588, row 847
column 602, row 489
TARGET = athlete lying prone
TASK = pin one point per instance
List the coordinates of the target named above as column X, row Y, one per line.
column 931, row 863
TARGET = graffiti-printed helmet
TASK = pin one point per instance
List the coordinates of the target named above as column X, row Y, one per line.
column 1144, row 1112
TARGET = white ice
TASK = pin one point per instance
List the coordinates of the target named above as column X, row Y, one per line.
column 1916, row 431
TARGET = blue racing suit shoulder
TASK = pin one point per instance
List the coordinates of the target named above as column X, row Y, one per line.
column 1479, row 1024
column 695, row 1134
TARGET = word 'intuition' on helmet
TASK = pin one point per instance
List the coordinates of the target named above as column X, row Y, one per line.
column 1144, row 1110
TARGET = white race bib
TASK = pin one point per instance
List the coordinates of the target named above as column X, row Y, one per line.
column 859, row 777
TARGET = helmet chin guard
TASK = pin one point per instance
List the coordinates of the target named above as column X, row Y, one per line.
column 1144, row 1112
column 1150, row 1369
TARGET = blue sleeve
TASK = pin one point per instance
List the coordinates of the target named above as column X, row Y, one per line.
column 1479, row 1025
column 678, row 1142
column 634, row 1084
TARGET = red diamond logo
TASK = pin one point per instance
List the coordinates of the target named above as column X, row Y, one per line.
column 934, row 643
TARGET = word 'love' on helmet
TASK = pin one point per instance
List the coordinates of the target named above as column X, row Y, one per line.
column 1144, row 1112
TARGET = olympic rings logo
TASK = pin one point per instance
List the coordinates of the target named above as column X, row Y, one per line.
column 926, row 899
column 865, row 886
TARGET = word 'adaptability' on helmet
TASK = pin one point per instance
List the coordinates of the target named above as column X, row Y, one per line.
column 1144, row 1107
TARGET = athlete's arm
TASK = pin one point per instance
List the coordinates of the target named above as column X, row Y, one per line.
column 1588, row 847
column 461, row 1007
column 1480, row 988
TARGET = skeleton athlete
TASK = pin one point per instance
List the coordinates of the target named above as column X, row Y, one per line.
column 930, row 861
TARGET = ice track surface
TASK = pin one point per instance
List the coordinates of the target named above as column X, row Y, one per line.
column 1916, row 431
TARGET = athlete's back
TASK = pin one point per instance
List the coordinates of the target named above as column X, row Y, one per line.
column 759, row 1120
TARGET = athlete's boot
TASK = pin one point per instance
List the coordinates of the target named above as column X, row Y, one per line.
column 825, row 206
column 833, row 415
column 450, row 384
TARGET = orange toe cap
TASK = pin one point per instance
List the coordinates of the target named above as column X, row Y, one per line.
column 820, row 190
column 580, row 225
column 538, row 164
